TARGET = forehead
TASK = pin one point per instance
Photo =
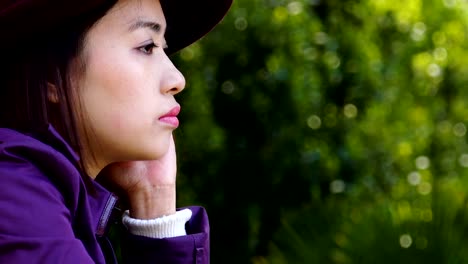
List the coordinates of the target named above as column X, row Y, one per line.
column 125, row 13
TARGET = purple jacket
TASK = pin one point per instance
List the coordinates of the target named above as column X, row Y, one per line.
column 49, row 214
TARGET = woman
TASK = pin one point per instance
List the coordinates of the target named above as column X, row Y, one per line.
column 86, row 96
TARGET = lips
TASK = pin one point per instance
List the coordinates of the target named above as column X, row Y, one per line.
column 170, row 117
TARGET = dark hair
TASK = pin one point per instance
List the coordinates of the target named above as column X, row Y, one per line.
column 29, row 65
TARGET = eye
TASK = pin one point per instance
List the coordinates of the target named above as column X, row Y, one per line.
column 148, row 48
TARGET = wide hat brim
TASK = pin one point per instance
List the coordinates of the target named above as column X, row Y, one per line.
column 187, row 20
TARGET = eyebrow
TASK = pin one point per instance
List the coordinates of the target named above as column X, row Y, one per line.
column 155, row 27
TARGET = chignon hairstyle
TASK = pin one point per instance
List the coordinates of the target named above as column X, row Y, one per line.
column 32, row 64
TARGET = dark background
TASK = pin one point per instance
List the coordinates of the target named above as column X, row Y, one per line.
column 329, row 132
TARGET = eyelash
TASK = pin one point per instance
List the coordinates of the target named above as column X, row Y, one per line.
column 148, row 48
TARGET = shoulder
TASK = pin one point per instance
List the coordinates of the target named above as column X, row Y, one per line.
column 21, row 145
column 24, row 159
column 28, row 183
column 40, row 204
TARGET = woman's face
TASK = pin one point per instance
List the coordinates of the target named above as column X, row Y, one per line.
column 128, row 85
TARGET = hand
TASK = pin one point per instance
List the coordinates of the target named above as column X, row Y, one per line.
column 149, row 187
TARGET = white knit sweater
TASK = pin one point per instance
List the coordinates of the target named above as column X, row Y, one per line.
column 162, row 227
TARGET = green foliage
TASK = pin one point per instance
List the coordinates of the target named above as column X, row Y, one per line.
column 330, row 131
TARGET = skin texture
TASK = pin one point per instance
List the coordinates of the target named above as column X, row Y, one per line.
column 128, row 84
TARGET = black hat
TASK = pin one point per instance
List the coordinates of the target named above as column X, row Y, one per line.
column 187, row 20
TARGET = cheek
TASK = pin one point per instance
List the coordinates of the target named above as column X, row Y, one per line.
column 112, row 85
column 119, row 91
column 124, row 84
column 117, row 123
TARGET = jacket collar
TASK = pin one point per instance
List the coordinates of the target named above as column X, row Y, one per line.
column 103, row 203
column 48, row 135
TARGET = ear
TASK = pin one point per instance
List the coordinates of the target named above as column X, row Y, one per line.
column 52, row 93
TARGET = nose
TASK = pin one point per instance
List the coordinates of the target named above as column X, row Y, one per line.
column 173, row 81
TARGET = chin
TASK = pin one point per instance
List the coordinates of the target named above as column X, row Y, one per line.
column 146, row 155
column 151, row 148
column 152, row 153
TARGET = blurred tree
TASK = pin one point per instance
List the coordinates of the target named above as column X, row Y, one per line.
column 329, row 131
